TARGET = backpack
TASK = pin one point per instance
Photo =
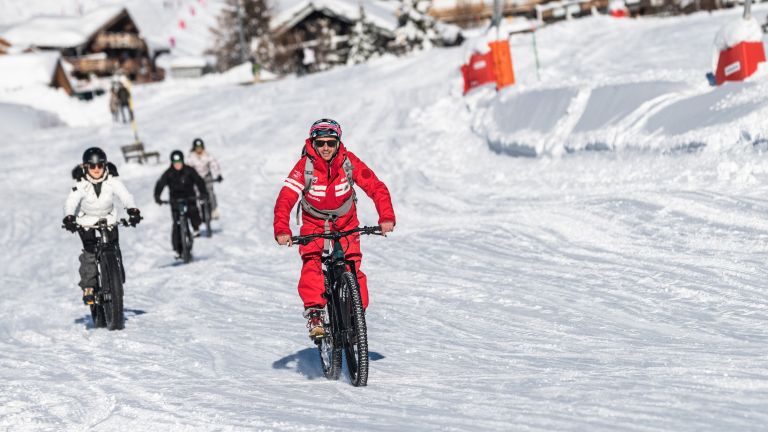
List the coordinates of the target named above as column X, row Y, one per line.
column 309, row 171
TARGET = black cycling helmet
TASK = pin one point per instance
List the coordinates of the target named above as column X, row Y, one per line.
column 198, row 143
column 94, row 155
column 177, row 156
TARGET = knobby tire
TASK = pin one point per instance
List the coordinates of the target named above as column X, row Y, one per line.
column 112, row 283
column 354, row 317
column 330, row 354
column 207, row 216
column 186, row 239
column 97, row 315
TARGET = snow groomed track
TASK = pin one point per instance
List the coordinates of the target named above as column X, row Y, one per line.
column 595, row 291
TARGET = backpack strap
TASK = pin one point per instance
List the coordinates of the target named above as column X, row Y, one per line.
column 309, row 171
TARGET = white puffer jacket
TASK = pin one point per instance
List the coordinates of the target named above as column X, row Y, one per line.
column 205, row 164
column 89, row 207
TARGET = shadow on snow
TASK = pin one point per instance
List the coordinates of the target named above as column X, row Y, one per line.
column 307, row 362
column 88, row 321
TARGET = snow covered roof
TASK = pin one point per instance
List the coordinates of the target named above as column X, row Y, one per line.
column 25, row 70
column 380, row 12
column 63, row 31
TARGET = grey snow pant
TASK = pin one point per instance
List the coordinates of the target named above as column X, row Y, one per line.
column 88, row 272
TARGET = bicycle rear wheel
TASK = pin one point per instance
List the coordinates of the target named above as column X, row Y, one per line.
column 356, row 336
column 112, row 291
column 330, row 355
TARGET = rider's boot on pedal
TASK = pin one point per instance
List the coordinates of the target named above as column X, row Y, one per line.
column 197, row 232
column 215, row 214
column 316, row 321
column 88, row 297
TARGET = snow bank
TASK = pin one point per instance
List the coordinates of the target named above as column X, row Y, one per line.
column 18, row 120
column 610, row 84
column 61, row 32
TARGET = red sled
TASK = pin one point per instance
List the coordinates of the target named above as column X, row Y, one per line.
column 479, row 71
column 618, row 13
column 739, row 62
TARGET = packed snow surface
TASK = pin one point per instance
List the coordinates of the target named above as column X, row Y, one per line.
column 614, row 290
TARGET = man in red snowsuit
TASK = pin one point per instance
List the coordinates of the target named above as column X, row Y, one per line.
column 329, row 191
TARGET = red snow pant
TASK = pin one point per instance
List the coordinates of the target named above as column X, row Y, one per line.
column 311, row 284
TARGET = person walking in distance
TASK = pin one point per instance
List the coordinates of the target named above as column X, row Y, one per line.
column 125, row 105
column 328, row 201
column 207, row 167
column 96, row 185
column 181, row 181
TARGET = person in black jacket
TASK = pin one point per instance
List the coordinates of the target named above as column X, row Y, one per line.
column 125, row 105
column 181, row 180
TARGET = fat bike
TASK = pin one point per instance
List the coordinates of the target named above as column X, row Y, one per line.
column 345, row 329
column 185, row 234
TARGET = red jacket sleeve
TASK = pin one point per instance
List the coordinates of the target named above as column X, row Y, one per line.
column 287, row 198
column 374, row 188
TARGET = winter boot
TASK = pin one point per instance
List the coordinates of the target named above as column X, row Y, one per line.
column 88, row 297
column 316, row 316
column 215, row 214
column 197, row 233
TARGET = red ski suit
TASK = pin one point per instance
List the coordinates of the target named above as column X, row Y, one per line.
column 328, row 192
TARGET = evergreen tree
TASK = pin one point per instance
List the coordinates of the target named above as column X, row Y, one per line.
column 364, row 42
column 256, row 15
column 417, row 29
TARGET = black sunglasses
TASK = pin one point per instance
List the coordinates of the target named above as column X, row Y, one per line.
column 99, row 165
column 331, row 143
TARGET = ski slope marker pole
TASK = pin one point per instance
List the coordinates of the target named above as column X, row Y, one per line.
column 133, row 117
column 535, row 51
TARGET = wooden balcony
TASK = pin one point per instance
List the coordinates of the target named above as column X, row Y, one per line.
column 118, row 41
column 98, row 66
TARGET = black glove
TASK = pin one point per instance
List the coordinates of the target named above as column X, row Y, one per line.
column 134, row 216
column 219, row 179
column 70, row 223
column 158, row 201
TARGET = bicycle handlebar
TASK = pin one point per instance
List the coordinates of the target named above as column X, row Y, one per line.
column 122, row 222
column 334, row 235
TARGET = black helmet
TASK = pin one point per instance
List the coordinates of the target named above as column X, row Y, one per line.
column 198, row 143
column 177, row 156
column 94, row 155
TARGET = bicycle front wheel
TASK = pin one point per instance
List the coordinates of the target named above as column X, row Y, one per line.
column 112, row 291
column 356, row 335
column 186, row 240
column 207, row 214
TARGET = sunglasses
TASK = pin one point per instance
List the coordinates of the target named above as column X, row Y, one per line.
column 99, row 165
column 331, row 143
column 198, row 147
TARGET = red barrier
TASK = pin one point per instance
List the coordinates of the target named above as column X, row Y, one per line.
column 618, row 13
column 479, row 71
column 739, row 62
column 502, row 64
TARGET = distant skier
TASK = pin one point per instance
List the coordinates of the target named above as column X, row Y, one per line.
column 181, row 181
column 96, row 184
column 125, row 105
column 330, row 203
column 207, row 167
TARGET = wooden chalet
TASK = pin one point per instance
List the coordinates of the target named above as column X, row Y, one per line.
column 5, row 46
column 103, row 42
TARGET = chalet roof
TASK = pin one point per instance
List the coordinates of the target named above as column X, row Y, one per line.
column 63, row 31
column 381, row 13
column 24, row 70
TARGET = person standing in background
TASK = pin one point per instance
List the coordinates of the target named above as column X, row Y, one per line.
column 125, row 105
column 205, row 165
column 114, row 105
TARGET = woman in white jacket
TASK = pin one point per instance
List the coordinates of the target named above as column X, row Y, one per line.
column 205, row 165
column 96, row 184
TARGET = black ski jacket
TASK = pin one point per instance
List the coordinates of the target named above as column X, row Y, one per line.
column 181, row 183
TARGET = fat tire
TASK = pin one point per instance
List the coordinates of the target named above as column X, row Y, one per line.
column 112, row 283
column 186, row 239
column 332, row 369
column 357, row 359
column 97, row 315
column 207, row 216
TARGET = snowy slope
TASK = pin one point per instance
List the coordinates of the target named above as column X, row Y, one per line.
column 593, row 291
column 615, row 83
